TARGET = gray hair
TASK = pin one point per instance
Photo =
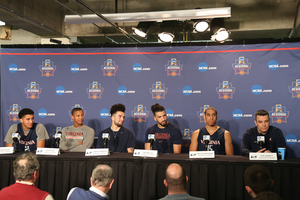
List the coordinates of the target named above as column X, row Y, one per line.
column 102, row 175
column 24, row 172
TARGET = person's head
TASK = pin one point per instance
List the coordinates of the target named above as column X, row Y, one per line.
column 102, row 178
column 262, row 121
column 176, row 179
column 26, row 118
column 267, row 196
column 210, row 116
column 77, row 117
column 160, row 115
column 26, row 167
column 257, row 179
column 117, row 114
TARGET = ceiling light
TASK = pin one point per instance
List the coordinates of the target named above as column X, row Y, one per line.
column 201, row 26
column 220, row 34
column 2, row 23
column 167, row 29
column 142, row 29
column 166, row 37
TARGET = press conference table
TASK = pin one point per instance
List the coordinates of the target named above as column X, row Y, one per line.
column 139, row 178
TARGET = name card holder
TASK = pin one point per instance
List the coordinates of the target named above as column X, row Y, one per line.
column 6, row 150
column 47, row 151
column 262, row 156
column 97, row 152
column 145, row 153
column 201, row 154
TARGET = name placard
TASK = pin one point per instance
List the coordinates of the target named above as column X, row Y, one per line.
column 6, row 150
column 262, row 156
column 201, row 154
column 47, row 151
column 97, row 152
column 145, row 153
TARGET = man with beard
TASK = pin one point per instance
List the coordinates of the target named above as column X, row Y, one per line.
column 220, row 139
column 120, row 139
column 78, row 137
column 168, row 138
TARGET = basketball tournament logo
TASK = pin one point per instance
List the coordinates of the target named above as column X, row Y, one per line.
column 241, row 66
column 139, row 114
column 109, row 68
column 173, row 67
column 279, row 114
column 295, row 89
column 225, row 90
column 47, row 68
column 94, row 90
column 33, row 90
column 75, row 106
column 201, row 113
column 13, row 112
column 158, row 90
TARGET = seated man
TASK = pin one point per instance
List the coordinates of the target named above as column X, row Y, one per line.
column 101, row 182
column 26, row 173
column 168, row 138
column 78, row 137
column 257, row 179
column 33, row 135
column 220, row 139
column 121, row 138
column 273, row 136
column 175, row 181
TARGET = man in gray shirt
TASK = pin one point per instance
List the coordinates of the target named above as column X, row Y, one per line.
column 175, row 181
column 32, row 135
column 78, row 137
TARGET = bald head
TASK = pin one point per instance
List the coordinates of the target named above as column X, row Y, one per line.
column 176, row 178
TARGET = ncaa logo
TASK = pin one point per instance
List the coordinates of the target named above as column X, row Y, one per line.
column 237, row 114
column 273, row 64
column 122, row 90
column 74, row 68
column 60, row 90
column 187, row 90
column 13, row 68
column 256, row 89
column 137, row 67
column 170, row 113
column 42, row 113
column 104, row 113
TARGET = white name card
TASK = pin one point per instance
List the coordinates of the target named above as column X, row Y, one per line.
column 47, row 151
column 262, row 156
column 97, row 152
column 202, row 154
column 6, row 150
column 145, row 153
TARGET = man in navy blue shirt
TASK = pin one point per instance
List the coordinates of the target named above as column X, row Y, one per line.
column 273, row 136
column 120, row 139
column 168, row 138
column 101, row 182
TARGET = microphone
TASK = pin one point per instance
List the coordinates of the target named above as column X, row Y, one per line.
column 16, row 137
column 105, row 137
column 260, row 140
column 151, row 139
column 57, row 138
column 206, row 139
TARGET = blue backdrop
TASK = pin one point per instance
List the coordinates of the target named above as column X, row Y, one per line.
column 235, row 79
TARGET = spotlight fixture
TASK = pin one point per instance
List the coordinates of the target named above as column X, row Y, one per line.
column 220, row 34
column 201, row 26
column 167, row 29
column 142, row 29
